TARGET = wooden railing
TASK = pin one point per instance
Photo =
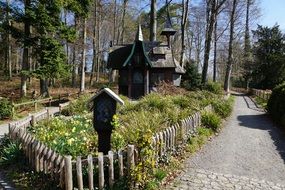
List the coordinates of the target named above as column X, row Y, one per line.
column 240, row 90
column 264, row 94
column 69, row 171
column 46, row 100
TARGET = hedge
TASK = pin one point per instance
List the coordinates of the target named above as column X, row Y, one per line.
column 276, row 104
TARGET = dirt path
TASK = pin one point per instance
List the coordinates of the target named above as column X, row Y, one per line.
column 248, row 154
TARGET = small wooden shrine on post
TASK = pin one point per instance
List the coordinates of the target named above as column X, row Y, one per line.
column 143, row 64
column 104, row 105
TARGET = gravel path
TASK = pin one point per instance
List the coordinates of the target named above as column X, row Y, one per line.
column 249, row 148
column 4, row 127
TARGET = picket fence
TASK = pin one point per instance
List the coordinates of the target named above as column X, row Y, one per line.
column 69, row 172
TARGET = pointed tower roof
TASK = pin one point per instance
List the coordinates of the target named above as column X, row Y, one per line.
column 139, row 35
column 168, row 30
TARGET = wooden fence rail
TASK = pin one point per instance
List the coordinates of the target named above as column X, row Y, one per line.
column 81, row 172
column 47, row 100
column 264, row 94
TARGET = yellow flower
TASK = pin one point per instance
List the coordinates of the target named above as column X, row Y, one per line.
column 70, row 141
column 73, row 129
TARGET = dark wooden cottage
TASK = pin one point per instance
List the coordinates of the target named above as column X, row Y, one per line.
column 142, row 65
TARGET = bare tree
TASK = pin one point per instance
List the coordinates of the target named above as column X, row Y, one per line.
column 153, row 21
column 230, row 53
column 114, row 20
column 25, row 62
column 8, row 57
column 184, row 19
column 247, row 47
column 83, row 61
column 198, row 23
column 99, row 8
column 123, row 20
column 74, row 57
column 213, row 7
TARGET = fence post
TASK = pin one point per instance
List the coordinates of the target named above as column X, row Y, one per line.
column 79, row 173
column 90, row 172
column 49, row 102
column 48, row 113
column 36, row 105
column 37, row 156
column 111, row 169
column 13, row 109
column 101, row 170
column 68, row 173
column 131, row 158
column 121, row 163
column 33, row 120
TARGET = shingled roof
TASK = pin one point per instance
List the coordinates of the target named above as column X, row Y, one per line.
column 155, row 54
column 159, row 55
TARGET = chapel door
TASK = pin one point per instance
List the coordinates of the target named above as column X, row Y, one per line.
column 137, row 83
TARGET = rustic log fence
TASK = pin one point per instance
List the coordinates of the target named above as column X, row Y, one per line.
column 71, row 172
column 49, row 100
column 264, row 94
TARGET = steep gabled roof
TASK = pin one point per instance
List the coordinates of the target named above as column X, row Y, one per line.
column 142, row 48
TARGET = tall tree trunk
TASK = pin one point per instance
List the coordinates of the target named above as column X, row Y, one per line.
column 44, row 88
column 9, row 63
column 98, row 42
column 190, row 38
column 83, row 61
column 153, row 21
column 230, row 54
column 66, row 43
column 114, row 21
column 213, row 6
column 94, row 44
column 74, row 63
column 183, row 28
column 25, row 62
column 247, row 47
column 123, row 20
column 215, row 52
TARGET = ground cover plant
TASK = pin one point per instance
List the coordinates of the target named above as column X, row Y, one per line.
column 75, row 135
column 135, row 123
column 261, row 102
column 5, row 109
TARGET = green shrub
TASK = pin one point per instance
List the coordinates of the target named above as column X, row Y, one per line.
column 192, row 78
column 214, row 87
column 276, row 104
column 197, row 141
column 261, row 102
column 10, row 152
column 211, row 120
column 5, row 108
column 78, row 106
column 223, row 107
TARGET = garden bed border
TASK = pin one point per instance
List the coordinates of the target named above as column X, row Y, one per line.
column 43, row 159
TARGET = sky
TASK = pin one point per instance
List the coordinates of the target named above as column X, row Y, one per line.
column 273, row 11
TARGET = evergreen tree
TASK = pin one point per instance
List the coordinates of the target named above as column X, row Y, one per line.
column 49, row 33
column 269, row 52
column 192, row 78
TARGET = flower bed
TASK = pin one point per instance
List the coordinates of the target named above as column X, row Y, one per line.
column 75, row 135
